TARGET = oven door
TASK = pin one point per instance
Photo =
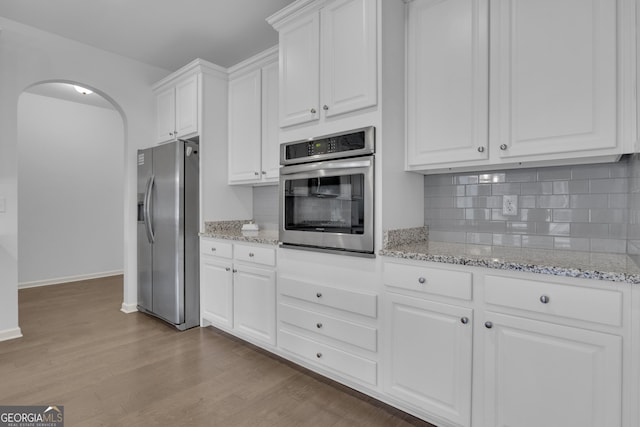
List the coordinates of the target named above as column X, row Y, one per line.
column 328, row 205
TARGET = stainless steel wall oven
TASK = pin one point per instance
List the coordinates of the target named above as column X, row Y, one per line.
column 326, row 192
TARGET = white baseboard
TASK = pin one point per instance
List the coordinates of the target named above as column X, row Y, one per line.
column 129, row 308
column 60, row 280
column 10, row 334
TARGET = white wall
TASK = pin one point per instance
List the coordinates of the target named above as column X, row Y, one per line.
column 70, row 190
column 29, row 56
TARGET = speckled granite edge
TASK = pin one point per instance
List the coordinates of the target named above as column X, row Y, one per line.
column 404, row 236
column 232, row 230
column 609, row 267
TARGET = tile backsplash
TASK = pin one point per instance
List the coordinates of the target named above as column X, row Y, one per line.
column 265, row 207
column 579, row 208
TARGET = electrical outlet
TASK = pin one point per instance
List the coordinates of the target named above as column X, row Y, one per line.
column 510, row 205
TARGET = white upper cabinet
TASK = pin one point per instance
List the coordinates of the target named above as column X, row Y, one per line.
column 328, row 63
column 245, row 127
column 447, row 81
column 555, row 88
column 554, row 71
column 253, row 121
column 177, row 109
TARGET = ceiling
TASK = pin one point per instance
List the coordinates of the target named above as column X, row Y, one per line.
column 164, row 33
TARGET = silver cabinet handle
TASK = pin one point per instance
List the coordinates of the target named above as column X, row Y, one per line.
column 545, row 299
column 319, row 295
column 256, row 173
column 503, row 147
column 251, row 254
column 213, row 249
column 318, row 325
column 318, row 355
column 313, row 111
column 488, row 325
column 325, row 107
column 480, row 149
column 422, row 280
column 464, row 320
column 228, row 269
column 235, row 271
column 264, row 172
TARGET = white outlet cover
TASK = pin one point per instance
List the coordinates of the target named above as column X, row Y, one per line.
column 510, row 205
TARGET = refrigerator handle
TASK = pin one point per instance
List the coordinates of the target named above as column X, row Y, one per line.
column 147, row 210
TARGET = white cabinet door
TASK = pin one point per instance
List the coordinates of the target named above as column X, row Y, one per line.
column 431, row 356
column 254, row 303
column 187, row 107
column 270, row 127
column 447, row 87
column 245, row 128
column 543, row 374
column 553, row 76
column 216, row 298
column 348, row 56
column 165, row 115
column 299, row 70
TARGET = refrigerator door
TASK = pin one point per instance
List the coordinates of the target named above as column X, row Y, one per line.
column 145, row 247
column 168, row 226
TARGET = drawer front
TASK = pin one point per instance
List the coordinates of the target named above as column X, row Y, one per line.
column 255, row 254
column 216, row 248
column 436, row 281
column 346, row 364
column 342, row 330
column 343, row 299
column 593, row 305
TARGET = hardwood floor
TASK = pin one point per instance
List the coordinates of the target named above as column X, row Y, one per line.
column 113, row 369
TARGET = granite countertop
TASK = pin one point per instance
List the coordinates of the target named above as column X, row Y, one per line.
column 414, row 244
column 232, row 230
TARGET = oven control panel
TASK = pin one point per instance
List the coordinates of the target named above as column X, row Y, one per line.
column 354, row 143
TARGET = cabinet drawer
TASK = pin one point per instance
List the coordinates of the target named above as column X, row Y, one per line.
column 255, row 254
column 593, row 305
column 330, row 357
column 342, row 330
column 217, row 248
column 343, row 299
column 454, row 284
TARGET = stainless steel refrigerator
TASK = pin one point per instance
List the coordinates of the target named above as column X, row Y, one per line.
column 168, row 224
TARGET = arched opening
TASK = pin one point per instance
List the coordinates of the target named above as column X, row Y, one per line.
column 71, row 185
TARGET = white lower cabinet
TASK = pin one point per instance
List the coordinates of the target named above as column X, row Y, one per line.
column 431, row 356
column 238, row 289
column 544, row 374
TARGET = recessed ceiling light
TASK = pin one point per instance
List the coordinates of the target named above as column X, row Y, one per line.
column 82, row 90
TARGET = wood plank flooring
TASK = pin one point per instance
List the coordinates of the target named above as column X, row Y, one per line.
column 113, row 369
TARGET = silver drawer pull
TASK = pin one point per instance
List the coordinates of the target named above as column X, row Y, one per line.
column 319, row 295
column 422, row 280
column 464, row 320
column 545, row 299
column 318, row 325
column 488, row 325
column 318, row 355
column 213, row 249
column 227, row 268
column 251, row 254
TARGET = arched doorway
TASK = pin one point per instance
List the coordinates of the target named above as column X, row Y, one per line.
column 71, row 189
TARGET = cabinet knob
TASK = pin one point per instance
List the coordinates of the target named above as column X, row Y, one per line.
column 481, row 149
column 235, row 271
column 503, row 147
column 264, row 172
column 213, row 249
column 544, row 299
column 251, row 254
column 488, row 325
column 228, row 269
column 325, row 107
column 422, row 280
column 319, row 295
column 313, row 111
column 464, row 320
column 319, row 325
column 256, row 173
column 318, row 355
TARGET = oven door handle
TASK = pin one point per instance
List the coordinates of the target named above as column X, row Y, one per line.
column 314, row 167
